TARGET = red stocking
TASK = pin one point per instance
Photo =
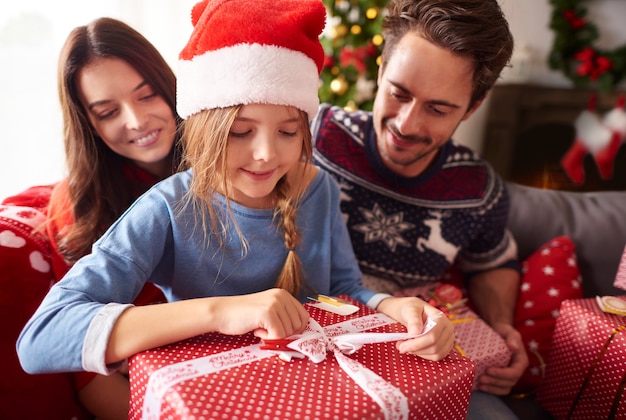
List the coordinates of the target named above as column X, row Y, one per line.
column 605, row 158
column 572, row 162
column 591, row 136
column 615, row 121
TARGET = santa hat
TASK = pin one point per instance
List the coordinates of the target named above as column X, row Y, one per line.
column 252, row 51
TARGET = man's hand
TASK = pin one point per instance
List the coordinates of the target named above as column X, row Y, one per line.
column 500, row 381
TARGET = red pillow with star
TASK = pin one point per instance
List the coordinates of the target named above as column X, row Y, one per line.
column 549, row 276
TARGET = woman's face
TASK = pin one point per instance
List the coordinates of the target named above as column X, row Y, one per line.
column 264, row 143
column 127, row 114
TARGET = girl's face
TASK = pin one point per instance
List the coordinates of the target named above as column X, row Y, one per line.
column 127, row 114
column 264, row 143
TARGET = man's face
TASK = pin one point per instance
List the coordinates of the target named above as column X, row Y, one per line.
column 423, row 95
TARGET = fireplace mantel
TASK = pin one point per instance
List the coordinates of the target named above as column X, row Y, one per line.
column 520, row 114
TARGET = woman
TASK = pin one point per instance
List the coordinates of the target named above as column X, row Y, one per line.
column 118, row 98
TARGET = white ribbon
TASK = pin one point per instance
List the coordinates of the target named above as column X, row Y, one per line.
column 166, row 377
column 315, row 343
column 344, row 338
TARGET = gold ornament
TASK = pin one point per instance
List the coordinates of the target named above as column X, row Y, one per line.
column 339, row 85
column 351, row 106
column 371, row 13
column 339, row 31
column 355, row 30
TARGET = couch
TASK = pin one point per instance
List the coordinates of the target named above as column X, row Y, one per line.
column 595, row 222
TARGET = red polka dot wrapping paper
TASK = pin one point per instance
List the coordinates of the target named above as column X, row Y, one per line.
column 586, row 368
column 266, row 387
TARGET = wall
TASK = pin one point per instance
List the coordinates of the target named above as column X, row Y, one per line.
column 529, row 20
column 32, row 31
column 31, row 35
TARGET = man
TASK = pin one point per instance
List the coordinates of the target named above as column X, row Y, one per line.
column 415, row 202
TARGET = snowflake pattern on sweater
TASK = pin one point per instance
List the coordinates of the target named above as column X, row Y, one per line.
column 409, row 231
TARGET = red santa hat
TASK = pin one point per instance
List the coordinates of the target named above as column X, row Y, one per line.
column 252, row 51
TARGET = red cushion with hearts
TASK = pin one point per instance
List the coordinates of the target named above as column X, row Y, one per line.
column 550, row 275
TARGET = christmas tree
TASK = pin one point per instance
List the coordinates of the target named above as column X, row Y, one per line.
column 353, row 43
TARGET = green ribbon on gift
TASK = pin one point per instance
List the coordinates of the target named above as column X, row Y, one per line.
column 595, row 364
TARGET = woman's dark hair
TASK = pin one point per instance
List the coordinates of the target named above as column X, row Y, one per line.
column 98, row 190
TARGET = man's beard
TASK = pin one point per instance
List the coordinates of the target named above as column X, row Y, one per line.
column 407, row 159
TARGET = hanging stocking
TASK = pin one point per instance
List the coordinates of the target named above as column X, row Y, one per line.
column 591, row 137
column 614, row 120
column 572, row 162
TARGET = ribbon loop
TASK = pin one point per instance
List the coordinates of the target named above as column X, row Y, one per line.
column 315, row 342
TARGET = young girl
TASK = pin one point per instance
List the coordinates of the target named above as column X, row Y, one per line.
column 118, row 97
column 239, row 241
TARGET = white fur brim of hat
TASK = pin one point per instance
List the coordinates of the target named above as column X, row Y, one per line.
column 247, row 74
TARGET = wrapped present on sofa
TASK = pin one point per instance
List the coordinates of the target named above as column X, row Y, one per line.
column 620, row 277
column 478, row 341
column 586, row 372
column 474, row 338
column 219, row 376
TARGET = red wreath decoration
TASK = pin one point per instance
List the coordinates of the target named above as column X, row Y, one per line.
column 573, row 51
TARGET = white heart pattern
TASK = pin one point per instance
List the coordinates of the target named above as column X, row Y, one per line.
column 11, row 240
column 38, row 262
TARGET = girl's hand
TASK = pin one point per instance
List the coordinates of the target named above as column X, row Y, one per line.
column 412, row 312
column 271, row 314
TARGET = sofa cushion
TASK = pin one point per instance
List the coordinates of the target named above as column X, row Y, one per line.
column 550, row 275
column 594, row 221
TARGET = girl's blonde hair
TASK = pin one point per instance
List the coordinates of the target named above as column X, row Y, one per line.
column 205, row 136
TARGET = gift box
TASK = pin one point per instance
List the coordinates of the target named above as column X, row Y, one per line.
column 474, row 338
column 217, row 376
column 586, row 370
column 620, row 277
column 478, row 341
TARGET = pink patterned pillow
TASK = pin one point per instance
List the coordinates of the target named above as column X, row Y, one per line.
column 550, row 276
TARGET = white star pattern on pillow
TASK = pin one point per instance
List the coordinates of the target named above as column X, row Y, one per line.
column 549, row 276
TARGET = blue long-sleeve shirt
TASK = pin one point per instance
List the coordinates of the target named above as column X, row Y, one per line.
column 158, row 240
